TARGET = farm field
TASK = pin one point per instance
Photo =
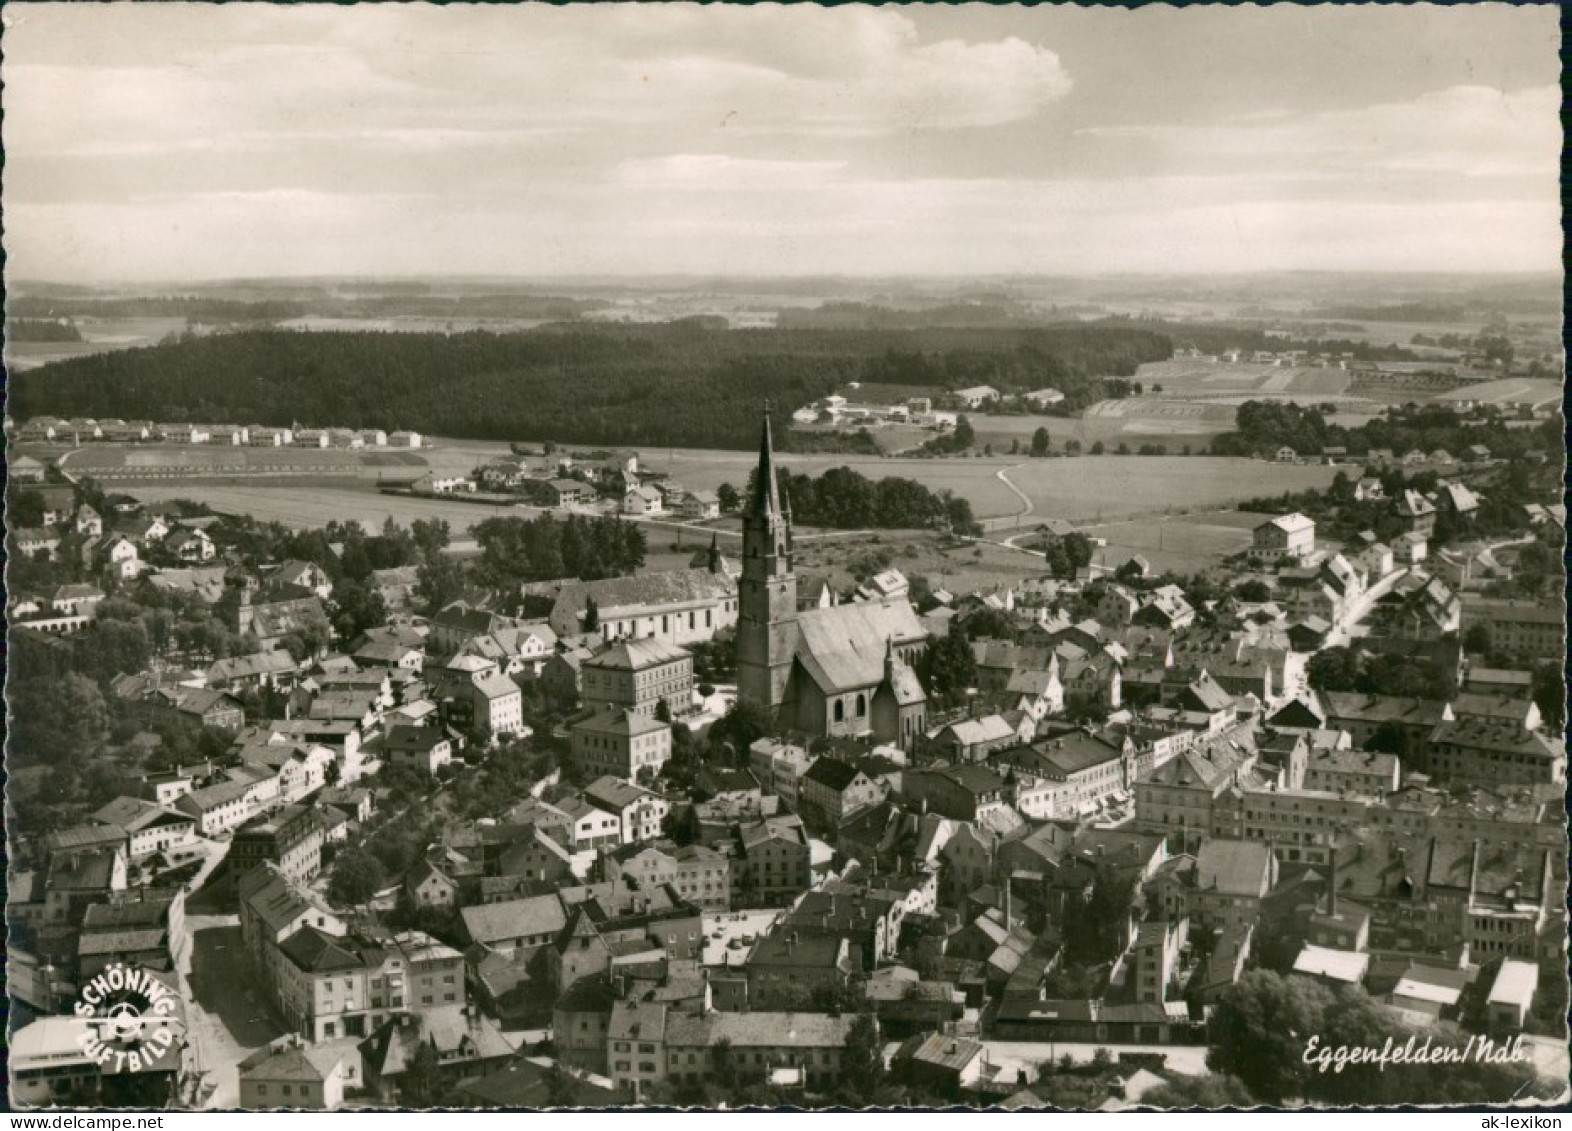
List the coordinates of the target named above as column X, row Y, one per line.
column 1193, row 377
column 116, row 461
column 1184, row 543
column 1508, row 391
column 303, row 507
column 1110, row 487
column 1089, row 488
column 411, row 325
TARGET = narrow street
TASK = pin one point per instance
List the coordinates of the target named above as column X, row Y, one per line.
column 226, row 1014
column 227, row 1017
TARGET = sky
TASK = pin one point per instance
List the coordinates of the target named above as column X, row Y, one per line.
column 189, row 141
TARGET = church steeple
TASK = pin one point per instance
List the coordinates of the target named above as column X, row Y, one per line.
column 767, row 588
column 766, row 502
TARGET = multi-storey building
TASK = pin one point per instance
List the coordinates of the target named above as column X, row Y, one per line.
column 328, row 986
column 1494, row 752
column 640, row 811
column 773, row 864
column 291, row 839
column 1527, row 628
column 1301, row 823
column 621, row 743
column 639, row 675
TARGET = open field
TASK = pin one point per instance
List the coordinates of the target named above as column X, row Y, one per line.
column 100, row 335
column 1088, row 488
column 411, row 325
column 1508, row 391
column 1184, row 543
column 1194, row 377
column 305, row 507
column 116, row 462
column 1111, row 487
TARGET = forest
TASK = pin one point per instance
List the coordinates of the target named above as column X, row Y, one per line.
column 681, row 384
column 42, row 330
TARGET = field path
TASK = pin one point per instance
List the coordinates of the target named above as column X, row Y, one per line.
column 1026, row 500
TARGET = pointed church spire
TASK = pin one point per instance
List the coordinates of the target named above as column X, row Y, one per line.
column 766, row 501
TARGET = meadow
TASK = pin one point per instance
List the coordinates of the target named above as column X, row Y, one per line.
column 1508, row 391
column 1184, row 543
column 1083, row 489
column 114, row 461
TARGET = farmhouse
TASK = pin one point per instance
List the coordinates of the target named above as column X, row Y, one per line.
column 1286, row 536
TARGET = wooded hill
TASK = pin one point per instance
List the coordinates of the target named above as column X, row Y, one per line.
column 680, row 384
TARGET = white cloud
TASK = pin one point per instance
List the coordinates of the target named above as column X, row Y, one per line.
column 1462, row 131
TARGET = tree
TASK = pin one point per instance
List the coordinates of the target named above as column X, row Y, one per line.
column 1040, row 442
column 24, row 508
column 1078, row 550
column 1098, row 448
column 744, row 723
column 1550, row 695
column 963, row 437
column 729, row 499
column 662, row 711
column 862, row 1060
column 1208, row 1092
column 723, row 1064
column 357, row 876
column 358, row 607
column 431, row 536
column 1259, row 1031
column 1333, row 669
column 1477, row 642
column 591, row 614
column 421, row 1082
column 1254, row 590
column 949, row 666
column 561, row 1088
column 438, row 582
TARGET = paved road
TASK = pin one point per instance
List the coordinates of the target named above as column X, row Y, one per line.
column 1342, row 630
column 226, row 1013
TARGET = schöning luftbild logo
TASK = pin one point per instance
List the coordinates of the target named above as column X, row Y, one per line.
column 131, row 1018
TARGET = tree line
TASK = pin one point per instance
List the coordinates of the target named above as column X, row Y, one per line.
column 679, row 384
column 844, row 499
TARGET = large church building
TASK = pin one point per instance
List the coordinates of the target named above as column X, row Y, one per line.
column 837, row 671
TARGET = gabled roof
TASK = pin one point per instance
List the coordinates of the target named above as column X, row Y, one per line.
column 494, row 922
column 832, row 774
column 843, row 647
column 1234, row 867
column 317, row 952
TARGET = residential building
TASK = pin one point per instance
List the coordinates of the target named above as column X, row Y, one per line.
column 640, row 812
column 639, row 675
column 290, row 839
column 1491, row 751
column 1232, row 877
column 426, row 749
column 773, row 863
column 1354, row 771
column 790, row 1049
column 291, row 1073
column 149, row 828
column 621, row 743
column 1531, row 629
column 831, row 791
